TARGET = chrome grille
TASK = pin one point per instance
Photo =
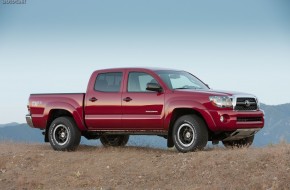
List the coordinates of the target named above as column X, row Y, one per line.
column 246, row 104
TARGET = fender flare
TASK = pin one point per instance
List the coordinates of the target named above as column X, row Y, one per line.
column 188, row 104
column 77, row 114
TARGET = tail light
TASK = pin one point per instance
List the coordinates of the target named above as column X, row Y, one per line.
column 28, row 108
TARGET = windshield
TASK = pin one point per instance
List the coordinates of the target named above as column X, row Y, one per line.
column 180, row 80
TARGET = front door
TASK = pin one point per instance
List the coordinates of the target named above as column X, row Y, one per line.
column 142, row 109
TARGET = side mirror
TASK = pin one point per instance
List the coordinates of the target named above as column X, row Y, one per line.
column 154, row 87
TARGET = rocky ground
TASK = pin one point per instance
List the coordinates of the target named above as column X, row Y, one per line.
column 37, row 166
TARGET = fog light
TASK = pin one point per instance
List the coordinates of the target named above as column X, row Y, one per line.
column 222, row 118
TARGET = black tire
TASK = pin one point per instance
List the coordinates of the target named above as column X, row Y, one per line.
column 242, row 143
column 114, row 140
column 63, row 134
column 189, row 133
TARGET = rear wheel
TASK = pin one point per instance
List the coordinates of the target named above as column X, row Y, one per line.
column 114, row 140
column 246, row 142
column 63, row 134
column 189, row 133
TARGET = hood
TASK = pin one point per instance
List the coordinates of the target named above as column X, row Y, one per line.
column 212, row 92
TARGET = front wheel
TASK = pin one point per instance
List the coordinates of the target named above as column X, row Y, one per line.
column 63, row 134
column 114, row 140
column 189, row 133
column 246, row 142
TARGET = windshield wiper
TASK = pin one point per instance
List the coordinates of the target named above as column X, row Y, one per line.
column 182, row 88
column 186, row 88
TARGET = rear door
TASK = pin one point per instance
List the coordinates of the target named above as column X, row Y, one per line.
column 142, row 109
column 103, row 101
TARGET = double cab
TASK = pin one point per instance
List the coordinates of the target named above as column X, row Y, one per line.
column 173, row 104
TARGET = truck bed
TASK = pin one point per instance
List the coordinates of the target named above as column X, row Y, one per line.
column 42, row 104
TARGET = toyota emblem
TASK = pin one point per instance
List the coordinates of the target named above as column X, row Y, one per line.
column 247, row 103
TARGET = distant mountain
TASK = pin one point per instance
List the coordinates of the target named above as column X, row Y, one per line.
column 277, row 125
column 277, row 129
column 9, row 124
column 20, row 133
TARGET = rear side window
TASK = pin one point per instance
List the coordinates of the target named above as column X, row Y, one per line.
column 137, row 81
column 108, row 82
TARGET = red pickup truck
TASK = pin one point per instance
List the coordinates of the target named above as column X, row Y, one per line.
column 173, row 104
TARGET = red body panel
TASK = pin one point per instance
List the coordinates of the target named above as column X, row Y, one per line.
column 145, row 111
column 41, row 106
column 106, row 112
column 142, row 113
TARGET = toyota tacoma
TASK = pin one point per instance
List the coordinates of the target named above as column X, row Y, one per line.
column 170, row 103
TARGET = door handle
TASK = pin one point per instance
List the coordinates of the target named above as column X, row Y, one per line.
column 127, row 99
column 93, row 99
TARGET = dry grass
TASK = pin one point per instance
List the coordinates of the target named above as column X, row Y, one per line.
column 39, row 167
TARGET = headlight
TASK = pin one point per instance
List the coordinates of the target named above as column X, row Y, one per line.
column 258, row 103
column 221, row 101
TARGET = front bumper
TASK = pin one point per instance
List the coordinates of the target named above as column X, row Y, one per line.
column 29, row 121
column 241, row 134
column 234, row 120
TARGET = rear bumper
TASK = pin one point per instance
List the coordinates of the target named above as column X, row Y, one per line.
column 229, row 120
column 29, row 121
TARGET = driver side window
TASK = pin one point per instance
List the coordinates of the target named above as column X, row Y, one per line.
column 137, row 81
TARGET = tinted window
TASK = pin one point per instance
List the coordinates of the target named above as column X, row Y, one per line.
column 181, row 80
column 137, row 81
column 108, row 82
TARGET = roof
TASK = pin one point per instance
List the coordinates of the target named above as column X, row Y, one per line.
column 146, row 68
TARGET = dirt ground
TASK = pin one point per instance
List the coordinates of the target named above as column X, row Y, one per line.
column 37, row 166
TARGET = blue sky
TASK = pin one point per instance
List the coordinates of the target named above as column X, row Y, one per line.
column 54, row 46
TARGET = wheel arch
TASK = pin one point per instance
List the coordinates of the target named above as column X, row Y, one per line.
column 177, row 113
column 53, row 114
column 64, row 110
column 62, row 107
